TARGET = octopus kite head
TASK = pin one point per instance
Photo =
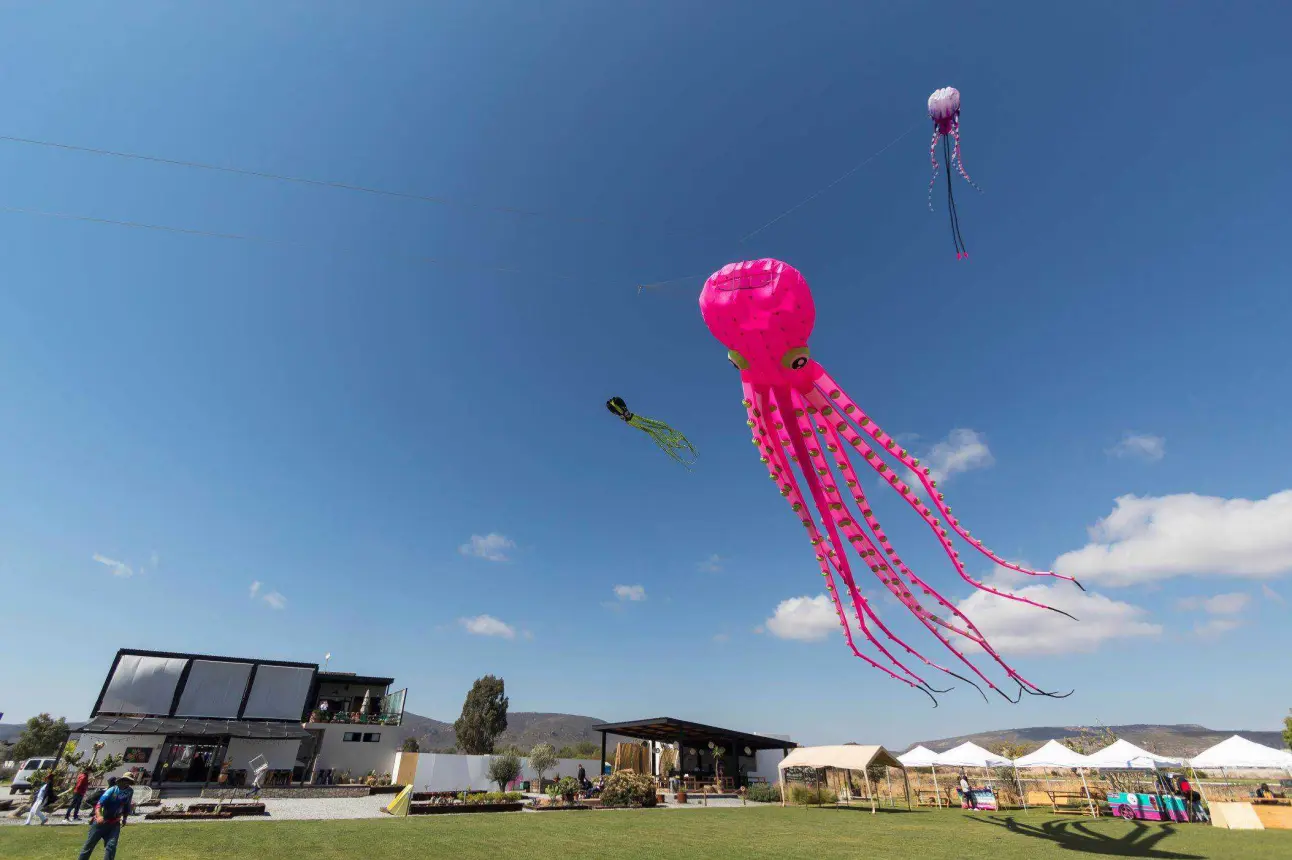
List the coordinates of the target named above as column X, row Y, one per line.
column 762, row 311
column 944, row 108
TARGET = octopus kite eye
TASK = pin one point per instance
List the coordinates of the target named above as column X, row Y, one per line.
column 737, row 360
column 795, row 359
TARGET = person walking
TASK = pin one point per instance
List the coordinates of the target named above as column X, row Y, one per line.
column 78, row 796
column 44, row 797
column 110, row 814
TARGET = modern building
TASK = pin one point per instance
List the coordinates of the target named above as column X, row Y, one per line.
column 188, row 718
column 745, row 756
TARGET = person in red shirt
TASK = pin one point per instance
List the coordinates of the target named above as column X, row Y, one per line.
column 78, row 794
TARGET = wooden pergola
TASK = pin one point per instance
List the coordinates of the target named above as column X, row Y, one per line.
column 685, row 734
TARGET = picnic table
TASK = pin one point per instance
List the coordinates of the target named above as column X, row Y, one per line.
column 1073, row 802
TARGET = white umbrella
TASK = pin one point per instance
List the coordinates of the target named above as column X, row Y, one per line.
column 367, row 700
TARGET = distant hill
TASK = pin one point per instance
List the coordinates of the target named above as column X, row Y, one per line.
column 1178, row 740
column 524, row 729
column 9, row 732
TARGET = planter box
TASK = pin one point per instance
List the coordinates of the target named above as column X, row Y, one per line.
column 457, row 809
column 234, row 809
column 387, row 789
column 185, row 816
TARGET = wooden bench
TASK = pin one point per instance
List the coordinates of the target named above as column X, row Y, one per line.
column 1073, row 803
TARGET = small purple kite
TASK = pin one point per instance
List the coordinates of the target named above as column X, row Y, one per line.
column 944, row 110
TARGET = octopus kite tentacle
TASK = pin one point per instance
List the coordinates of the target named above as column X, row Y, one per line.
column 788, row 405
column 933, row 158
column 955, row 154
column 757, row 406
column 822, row 406
column 826, row 385
column 856, row 535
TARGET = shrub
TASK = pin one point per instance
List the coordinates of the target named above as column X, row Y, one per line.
column 762, row 792
column 628, row 789
column 504, row 768
column 804, row 795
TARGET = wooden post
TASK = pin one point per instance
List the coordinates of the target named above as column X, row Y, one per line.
column 907, row 781
column 888, row 778
column 937, row 792
column 866, row 773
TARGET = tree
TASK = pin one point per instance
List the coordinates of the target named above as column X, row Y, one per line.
column 43, row 736
column 1010, row 750
column 1088, row 740
column 484, row 716
column 410, row 745
column 583, row 749
column 1287, row 730
column 504, row 769
column 542, row 758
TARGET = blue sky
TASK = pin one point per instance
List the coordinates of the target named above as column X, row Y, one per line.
column 306, row 447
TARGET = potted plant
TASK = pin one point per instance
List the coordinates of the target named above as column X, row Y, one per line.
column 224, row 771
column 680, row 797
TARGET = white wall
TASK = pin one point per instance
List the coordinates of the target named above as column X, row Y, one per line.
column 356, row 756
column 281, row 754
column 116, row 745
column 445, row 772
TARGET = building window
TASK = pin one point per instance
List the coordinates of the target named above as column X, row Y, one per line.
column 372, row 737
column 350, row 737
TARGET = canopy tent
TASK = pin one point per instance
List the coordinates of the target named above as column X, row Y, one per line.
column 1053, row 754
column 919, row 757
column 845, row 757
column 1125, row 755
column 924, row 757
column 1238, row 751
column 969, row 754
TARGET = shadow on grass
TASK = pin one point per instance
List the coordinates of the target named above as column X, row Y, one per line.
column 1141, row 841
column 879, row 810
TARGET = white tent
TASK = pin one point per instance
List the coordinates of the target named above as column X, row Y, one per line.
column 844, row 757
column 1240, row 752
column 969, row 754
column 1053, row 754
column 1125, row 755
column 924, row 757
column 919, row 757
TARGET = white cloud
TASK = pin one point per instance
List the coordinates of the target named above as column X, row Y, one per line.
column 487, row 625
column 1154, row 538
column 154, row 560
column 1140, row 446
column 1216, row 627
column 712, row 564
column 1013, row 627
column 808, row 619
column 255, row 589
column 491, row 547
column 630, row 592
column 962, row 451
column 1220, row 604
column 276, row 600
column 119, row 568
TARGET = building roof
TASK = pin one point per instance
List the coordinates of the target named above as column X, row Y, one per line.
column 351, row 678
column 669, row 729
column 119, row 725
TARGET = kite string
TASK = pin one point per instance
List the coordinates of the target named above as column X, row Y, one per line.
column 241, row 237
column 821, row 191
column 278, row 177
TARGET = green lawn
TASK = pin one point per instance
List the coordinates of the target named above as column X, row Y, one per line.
column 773, row 833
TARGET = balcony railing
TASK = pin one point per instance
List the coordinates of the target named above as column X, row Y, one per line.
column 355, row 719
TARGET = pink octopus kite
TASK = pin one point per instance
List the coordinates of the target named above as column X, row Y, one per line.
column 944, row 110
column 763, row 312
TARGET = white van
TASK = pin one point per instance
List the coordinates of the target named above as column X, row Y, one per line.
column 22, row 779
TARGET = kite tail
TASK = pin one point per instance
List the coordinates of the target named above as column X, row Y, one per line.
column 670, row 441
column 961, row 251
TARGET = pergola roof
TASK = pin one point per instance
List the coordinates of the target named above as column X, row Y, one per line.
column 670, row 729
column 106, row 724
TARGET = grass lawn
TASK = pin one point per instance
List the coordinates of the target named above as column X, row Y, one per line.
column 769, row 832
